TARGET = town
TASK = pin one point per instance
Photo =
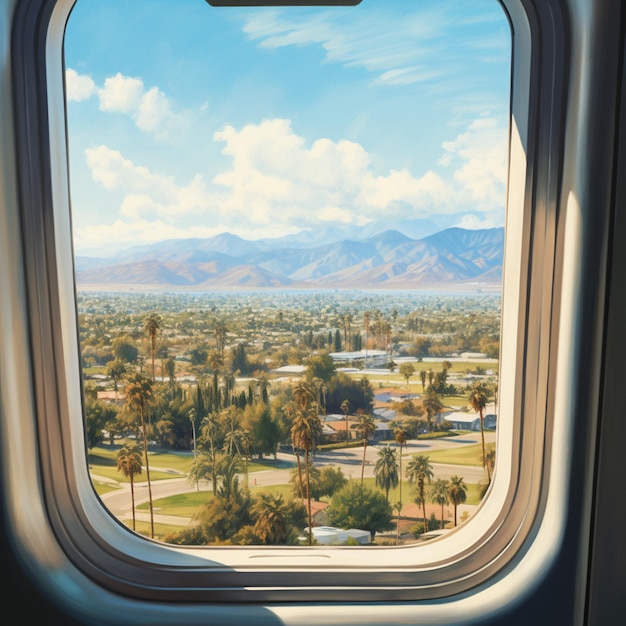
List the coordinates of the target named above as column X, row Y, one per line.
column 290, row 417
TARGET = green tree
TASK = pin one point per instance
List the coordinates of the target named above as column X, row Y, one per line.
column 152, row 324
column 407, row 370
column 432, row 405
column 420, row 472
column 138, row 398
column 129, row 463
column 478, row 398
column 99, row 416
column 358, row 506
column 386, row 470
column 331, row 480
column 124, row 348
column 440, row 494
column 366, row 427
column 457, row 491
column 116, row 370
column 320, row 366
column 170, row 370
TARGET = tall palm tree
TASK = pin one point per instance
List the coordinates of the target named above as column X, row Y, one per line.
column 457, row 491
column 386, row 469
column 366, row 427
column 152, row 324
column 211, row 430
column 440, row 494
column 138, row 398
column 345, row 407
column 129, row 463
column 478, row 398
column 400, row 436
column 420, row 471
column 305, row 431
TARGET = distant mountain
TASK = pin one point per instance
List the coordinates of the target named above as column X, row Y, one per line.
column 453, row 257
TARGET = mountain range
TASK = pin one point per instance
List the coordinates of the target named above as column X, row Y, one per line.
column 452, row 258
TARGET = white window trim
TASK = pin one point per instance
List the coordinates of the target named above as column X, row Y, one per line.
column 88, row 561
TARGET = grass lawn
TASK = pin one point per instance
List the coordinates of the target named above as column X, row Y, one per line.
column 160, row 530
column 463, row 455
column 408, row 491
column 187, row 504
column 182, row 504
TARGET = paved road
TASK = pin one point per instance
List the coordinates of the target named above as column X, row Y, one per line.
column 348, row 459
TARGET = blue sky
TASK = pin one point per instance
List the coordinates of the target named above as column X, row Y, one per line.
column 187, row 120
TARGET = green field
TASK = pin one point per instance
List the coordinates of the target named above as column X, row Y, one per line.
column 463, row 455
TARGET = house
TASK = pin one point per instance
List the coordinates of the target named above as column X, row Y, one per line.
column 329, row 535
column 462, row 420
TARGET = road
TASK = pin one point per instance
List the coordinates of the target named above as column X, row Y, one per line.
column 348, row 459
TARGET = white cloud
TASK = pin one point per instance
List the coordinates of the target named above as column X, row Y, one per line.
column 398, row 47
column 146, row 193
column 151, row 109
column 78, row 86
column 479, row 155
column 278, row 183
column 121, row 93
column 473, row 222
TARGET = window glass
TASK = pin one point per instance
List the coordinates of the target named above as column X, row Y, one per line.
column 288, row 231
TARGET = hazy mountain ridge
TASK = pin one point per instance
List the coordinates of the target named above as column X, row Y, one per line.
column 389, row 259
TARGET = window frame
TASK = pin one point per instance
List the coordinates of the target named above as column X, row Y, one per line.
column 557, row 246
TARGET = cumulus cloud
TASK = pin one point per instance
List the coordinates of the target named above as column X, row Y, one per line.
column 479, row 156
column 150, row 109
column 145, row 193
column 121, row 93
column 78, row 86
column 278, row 182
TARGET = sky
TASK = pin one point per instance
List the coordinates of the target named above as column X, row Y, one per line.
column 186, row 120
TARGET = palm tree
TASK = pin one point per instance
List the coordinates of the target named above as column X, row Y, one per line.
column 478, row 401
column 400, row 437
column 440, row 494
column 420, row 471
column 272, row 515
column 432, row 404
column 138, row 397
column 366, row 427
column 152, row 324
column 211, row 429
column 457, row 491
column 129, row 463
column 305, row 431
column 386, row 470
column 345, row 407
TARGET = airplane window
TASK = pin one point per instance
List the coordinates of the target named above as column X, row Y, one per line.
column 265, row 314
column 288, row 227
